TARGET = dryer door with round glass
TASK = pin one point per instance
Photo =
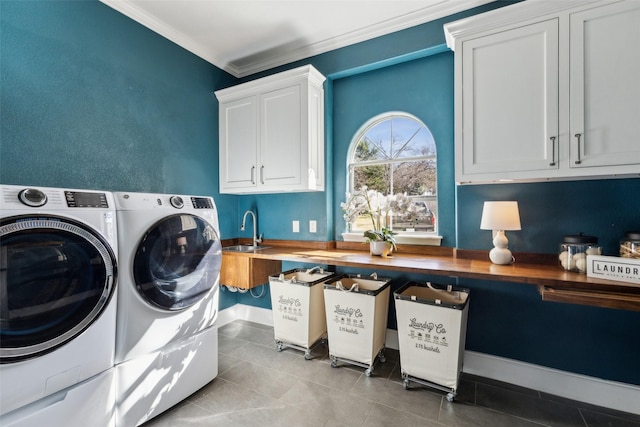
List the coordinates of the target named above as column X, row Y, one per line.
column 177, row 262
column 56, row 278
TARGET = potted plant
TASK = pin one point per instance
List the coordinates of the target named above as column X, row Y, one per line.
column 381, row 242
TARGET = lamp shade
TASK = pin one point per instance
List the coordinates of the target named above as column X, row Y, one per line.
column 500, row 216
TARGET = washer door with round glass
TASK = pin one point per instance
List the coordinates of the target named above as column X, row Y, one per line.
column 56, row 278
column 177, row 262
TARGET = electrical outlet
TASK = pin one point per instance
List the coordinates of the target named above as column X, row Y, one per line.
column 296, row 226
column 312, row 226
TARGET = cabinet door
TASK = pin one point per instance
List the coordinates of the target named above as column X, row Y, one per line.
column 281, row 139
column 605, row 87
column 238, row 144
column 246, row 272
column 509, row 104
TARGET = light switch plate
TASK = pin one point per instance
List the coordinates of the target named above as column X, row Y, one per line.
column 312, row 226
column 296, row 226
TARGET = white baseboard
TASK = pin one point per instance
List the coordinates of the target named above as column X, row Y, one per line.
column 264, row 316
column 227, row 315
column 609, row 394
column 596, row 391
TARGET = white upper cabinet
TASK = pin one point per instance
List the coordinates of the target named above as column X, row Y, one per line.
column 547, row 91
column 272, row 134
column 238, row 143
column 605, row 87
column 510, row 97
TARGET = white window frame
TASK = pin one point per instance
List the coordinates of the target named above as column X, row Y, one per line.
column 402, row 237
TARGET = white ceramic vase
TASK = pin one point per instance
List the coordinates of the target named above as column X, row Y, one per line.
column 380, row 248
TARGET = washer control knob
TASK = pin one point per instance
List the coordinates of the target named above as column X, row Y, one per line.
column 32, row 197
column 176, row 202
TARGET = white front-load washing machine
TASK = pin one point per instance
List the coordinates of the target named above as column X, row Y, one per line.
column 58, row 300
column 166, row 339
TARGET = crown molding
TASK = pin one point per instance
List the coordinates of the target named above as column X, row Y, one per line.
column 128, row 9
column 286, row 55
column 529, row 10
column 420, row 17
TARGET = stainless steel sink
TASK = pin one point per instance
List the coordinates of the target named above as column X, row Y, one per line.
column 243, row 248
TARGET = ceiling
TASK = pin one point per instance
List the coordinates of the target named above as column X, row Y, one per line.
column 244, row 37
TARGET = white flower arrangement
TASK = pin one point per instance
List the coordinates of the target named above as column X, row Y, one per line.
column 379, row 208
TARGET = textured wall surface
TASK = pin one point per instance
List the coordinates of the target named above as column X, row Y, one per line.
column 91, row 99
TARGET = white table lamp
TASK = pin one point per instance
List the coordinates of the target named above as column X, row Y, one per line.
column 500, row 216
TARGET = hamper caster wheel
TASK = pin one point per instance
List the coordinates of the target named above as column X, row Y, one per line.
column 368, row 372
column 405, row 384
column 450, row 397
column 382, row 358
column 279, row 346
column 334, row 362
column 307, row 355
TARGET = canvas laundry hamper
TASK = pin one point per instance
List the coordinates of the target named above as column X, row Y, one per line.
column 432, row 325
column 297, row 303
column 357, row 310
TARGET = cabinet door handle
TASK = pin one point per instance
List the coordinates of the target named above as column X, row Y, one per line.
column 553, row 151
column 253, row 174
column 577, row 162
column 262, row 174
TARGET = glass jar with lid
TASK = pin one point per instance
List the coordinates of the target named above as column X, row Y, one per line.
column 574, row 250
column 630, row 245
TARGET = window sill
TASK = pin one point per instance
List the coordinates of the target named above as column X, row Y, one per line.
column 407, row 238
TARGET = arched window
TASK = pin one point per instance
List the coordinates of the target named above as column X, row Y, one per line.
column 395, row 153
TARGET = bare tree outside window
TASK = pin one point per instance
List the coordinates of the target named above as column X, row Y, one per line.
column 396, row 153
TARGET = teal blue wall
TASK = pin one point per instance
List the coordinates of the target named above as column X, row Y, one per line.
column 427, row 95
column 91, row 99
column 601, row 208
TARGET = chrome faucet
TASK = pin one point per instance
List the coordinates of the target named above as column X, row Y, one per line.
column 256, row 239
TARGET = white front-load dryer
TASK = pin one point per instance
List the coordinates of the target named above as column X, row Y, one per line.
column 58, row 300
column 166, row 340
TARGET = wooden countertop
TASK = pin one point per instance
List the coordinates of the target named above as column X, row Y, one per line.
column 553, row 283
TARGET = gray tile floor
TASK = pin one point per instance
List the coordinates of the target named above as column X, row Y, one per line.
column 259, row 386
